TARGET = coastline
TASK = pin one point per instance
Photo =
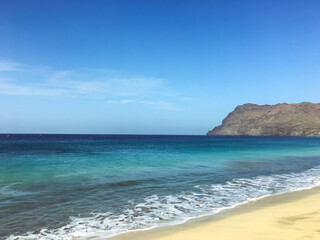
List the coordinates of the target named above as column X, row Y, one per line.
column 293, row 215
column 143, row 183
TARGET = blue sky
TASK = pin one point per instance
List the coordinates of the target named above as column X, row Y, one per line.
column 151, row 67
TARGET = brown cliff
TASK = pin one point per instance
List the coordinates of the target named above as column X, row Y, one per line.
column 302, row 119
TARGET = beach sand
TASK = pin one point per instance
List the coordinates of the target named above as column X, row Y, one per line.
column 285, row 217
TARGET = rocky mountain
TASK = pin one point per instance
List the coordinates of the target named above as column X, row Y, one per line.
column 301, row 119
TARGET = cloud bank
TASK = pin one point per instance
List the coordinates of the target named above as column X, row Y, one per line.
column 26, row 80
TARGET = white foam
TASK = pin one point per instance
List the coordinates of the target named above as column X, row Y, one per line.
column 157, row 210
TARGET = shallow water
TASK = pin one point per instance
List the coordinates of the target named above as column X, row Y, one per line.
column 69, row 186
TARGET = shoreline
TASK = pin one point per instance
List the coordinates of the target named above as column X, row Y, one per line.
column 292, row 215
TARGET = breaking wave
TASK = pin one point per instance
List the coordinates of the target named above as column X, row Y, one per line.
column 157, row 210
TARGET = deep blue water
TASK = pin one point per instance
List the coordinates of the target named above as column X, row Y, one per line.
column 73, row 186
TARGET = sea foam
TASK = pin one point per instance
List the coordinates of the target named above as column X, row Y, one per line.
column 155, row 210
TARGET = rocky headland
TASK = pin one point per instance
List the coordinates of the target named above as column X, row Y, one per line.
column 301, row 119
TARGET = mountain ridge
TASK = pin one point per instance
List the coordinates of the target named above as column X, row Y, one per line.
column 282, row 119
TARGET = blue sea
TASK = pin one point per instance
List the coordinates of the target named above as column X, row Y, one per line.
column 99, row 186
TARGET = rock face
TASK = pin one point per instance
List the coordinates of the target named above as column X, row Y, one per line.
column 302, row 119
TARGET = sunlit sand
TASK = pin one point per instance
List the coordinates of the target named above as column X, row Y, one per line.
column 289, row 216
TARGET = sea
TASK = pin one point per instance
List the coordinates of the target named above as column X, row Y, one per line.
column 99, row 186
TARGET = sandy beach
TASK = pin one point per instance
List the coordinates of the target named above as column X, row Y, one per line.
column 293, row 215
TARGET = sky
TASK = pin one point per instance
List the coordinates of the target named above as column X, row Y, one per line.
column 151, row 67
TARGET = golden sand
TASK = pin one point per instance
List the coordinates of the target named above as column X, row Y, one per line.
column 284, row 217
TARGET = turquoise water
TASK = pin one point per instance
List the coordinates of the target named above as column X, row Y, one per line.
column 98, row 186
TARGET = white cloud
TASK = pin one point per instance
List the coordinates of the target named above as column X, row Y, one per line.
column 157, row 104
column 119, row 86
column 185, row 99
column 43, row 81
column 160, row 104
column 7, row 87
column 88, row 83
column 7, row 65
column 124, row 101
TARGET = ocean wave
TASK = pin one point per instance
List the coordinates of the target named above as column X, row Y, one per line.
column 9, row 191
column 155, row 211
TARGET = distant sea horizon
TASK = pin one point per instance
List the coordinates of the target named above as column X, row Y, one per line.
column 65, row 186
column 5, row 134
